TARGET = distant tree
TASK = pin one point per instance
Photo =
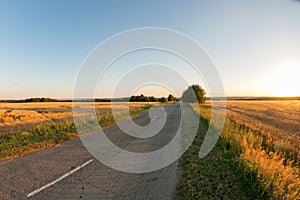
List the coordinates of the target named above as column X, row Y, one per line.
column 146, row 99
column 133, row 98
column 142, row 98
column 194, row 93
column 34, row 100
column 46, row 100
column 153, row 99
column 103, row 100
column 162, row 100
column 171, row 98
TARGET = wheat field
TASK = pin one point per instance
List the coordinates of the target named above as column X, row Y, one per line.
column 29, row 127
column 278, row 120
column 18, row 117
column 264, row 137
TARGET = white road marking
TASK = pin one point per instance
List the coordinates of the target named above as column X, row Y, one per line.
column 60, row 178
column 154, row 118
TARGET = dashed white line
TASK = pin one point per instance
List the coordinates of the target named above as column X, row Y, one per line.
column 154, row 118
column 60, row 178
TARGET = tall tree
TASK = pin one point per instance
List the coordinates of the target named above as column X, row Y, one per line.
column 171, row 98
column 194, row 93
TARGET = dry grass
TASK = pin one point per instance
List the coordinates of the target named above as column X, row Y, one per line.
column 282, row 180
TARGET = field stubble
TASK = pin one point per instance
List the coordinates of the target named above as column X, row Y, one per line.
column 277, row 121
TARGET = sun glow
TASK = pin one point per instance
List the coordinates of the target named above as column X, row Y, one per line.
column 284, row 81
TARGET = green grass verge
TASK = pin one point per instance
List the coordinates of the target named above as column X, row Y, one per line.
column 13, row 145
column 216, row 176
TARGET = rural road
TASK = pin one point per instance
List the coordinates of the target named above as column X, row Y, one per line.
column 69, row 171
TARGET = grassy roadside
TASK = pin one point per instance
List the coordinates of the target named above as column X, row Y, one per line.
column 13, row 145
column 239, row 167
column 216, row 176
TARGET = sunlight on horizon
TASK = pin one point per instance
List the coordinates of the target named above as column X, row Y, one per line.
column 283, row 81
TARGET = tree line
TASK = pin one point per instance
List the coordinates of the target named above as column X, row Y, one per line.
column 142, row 98
column 194, row 93
column 36, row 99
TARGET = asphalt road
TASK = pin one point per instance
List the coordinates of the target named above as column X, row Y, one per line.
column 68, row 171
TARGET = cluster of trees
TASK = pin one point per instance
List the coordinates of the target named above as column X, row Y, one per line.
column 43, row 99
column 193, row 93
column 142, row 98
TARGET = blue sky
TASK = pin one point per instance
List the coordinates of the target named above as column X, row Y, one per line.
column 254, row 44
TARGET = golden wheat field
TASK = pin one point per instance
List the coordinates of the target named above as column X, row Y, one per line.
column 279, row 120
column 16, row 117
column 267, row 138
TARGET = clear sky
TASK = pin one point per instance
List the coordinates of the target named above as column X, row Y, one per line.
column 254, row 44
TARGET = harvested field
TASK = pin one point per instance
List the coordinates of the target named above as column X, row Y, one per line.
column 262, row 138
column 279, row 120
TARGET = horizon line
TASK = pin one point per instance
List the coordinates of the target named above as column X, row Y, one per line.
column 108, row 98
